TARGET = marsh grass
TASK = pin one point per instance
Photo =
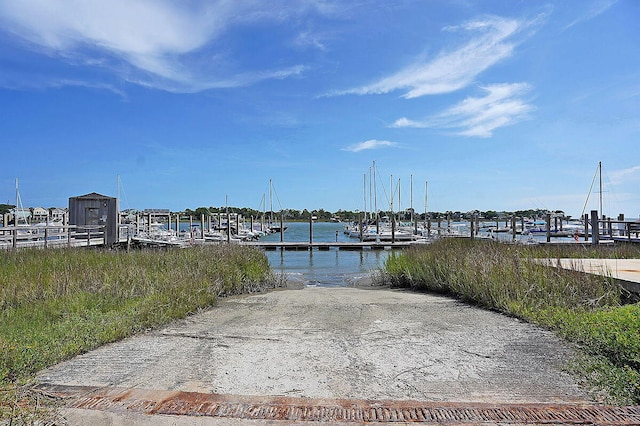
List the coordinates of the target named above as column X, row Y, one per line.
column 58, row 303
column 582, row 308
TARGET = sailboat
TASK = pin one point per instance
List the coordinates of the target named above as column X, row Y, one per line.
column 597, row 174
column 19, row 210
column 274, row 227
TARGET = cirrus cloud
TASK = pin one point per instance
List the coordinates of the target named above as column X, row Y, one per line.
column 493, row 40
column 154, row 43
column 502, row 105
column 370, row 144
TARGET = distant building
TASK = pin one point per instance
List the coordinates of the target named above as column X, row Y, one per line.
column 57, row 214
column 128, row 215
column 39, row 214
column 156, row 211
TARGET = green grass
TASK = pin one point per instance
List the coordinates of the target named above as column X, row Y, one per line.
column 58, row 303
column 586, row 310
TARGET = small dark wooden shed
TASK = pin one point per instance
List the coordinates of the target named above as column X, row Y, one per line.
column 95, row 209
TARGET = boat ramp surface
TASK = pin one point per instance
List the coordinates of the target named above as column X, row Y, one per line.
column 331, row 355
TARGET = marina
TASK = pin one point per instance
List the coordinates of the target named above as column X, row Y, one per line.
column 172, row 230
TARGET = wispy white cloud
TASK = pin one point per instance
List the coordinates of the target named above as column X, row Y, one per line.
column 310, row 40
column 631, row 174
column 501, row 106
column 157, row 43
column 590, row 11
column 370, row 144
column 493, row 39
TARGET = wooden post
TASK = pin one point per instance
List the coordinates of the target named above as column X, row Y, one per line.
column 15, row 232
column 586, row 227
column 393, row 228
column 202, row 226
column 471, row 227
column 439, row 226
column 609, row 227
column 429, row 226
column 513, row 226
column 626, row 226
column 360, row 226
column 281, row 226
column 548, row 224
column 522, row 224
column 448, row 223
column 228, row 227
column 237, row 222
column 46, row 234
column 595, row 228
column 310, row 228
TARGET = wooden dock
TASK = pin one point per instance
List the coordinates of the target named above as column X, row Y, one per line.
column 325, row 246
column 53, row 236
column 626, row 272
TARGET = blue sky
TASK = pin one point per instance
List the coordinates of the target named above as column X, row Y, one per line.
column 498, row 105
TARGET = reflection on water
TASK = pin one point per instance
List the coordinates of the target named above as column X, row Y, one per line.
column 323, row 268
column 326, row 268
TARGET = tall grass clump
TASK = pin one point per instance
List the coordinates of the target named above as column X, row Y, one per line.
column 582, row 308
column 58, row 303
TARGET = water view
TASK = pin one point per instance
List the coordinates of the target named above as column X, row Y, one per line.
column 332, row 268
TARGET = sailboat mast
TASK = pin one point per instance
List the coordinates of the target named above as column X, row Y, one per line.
column 426, row 191
column 399, row 192
column 600, row 172
column 391, row 193
column 411, row 196
column 19, row 207
column 270, row 203
column 364, row 194
column 370, row 197
column 375, row 191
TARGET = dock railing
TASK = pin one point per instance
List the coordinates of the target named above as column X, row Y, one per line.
column 606, row 228
column 51, row 235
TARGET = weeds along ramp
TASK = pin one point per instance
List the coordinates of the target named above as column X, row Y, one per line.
column 335, row 355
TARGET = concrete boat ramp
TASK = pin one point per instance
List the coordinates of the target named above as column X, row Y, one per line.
column 332, row 355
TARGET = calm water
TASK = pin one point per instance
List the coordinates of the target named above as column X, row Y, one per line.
column 339, row 267
column 331, row 268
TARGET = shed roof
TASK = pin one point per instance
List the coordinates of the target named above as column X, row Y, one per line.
column 93, row 196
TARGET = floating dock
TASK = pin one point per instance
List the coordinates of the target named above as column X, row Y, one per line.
column 303, row 246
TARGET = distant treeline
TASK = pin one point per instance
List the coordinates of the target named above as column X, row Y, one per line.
column 349, row 215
